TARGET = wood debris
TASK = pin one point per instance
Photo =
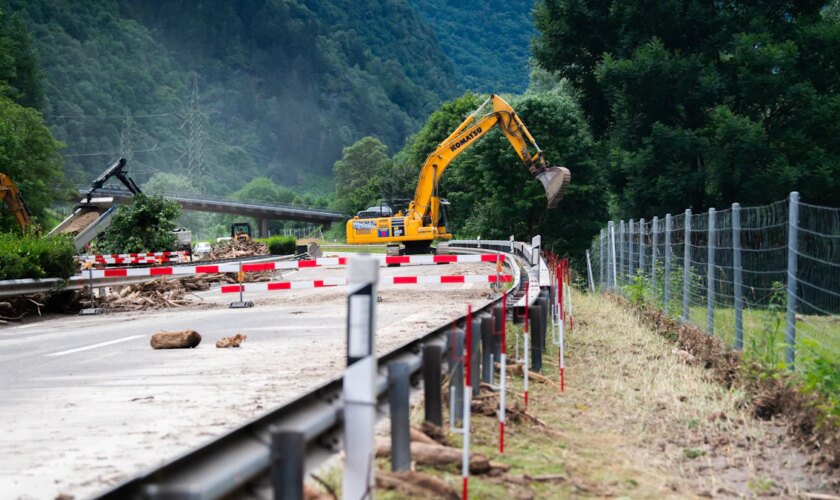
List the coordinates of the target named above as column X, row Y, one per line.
column 233, row 341
column 440, row 456
column 183, row 339
column 235, row 249
column 415, row 484
column 157, row 294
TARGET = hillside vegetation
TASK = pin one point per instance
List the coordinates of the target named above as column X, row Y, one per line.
column 225, row 91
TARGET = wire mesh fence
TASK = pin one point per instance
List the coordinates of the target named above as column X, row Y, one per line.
column 765, row 279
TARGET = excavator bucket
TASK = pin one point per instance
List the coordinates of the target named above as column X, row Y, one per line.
column 555, row 180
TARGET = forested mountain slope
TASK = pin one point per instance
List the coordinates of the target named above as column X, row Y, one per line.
column 488, row 42
column 225, row 91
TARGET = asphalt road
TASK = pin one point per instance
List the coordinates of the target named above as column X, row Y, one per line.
column 85, row 401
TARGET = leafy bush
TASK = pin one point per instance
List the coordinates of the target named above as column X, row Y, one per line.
column 144, row 225
column 32, row 257
column 281, row 245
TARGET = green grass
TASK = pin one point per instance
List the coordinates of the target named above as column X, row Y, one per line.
column 762, row 329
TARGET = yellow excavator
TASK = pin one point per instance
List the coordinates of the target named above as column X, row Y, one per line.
column 11, row 195
column 425, row 218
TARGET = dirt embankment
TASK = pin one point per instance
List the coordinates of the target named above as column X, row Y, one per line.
column 640, row 418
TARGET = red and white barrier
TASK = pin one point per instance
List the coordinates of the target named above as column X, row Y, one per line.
column 132, row 255
column 275, row 266
column 131, row 260
column 384, row 280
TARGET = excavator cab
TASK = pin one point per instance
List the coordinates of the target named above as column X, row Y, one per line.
column 240, row 231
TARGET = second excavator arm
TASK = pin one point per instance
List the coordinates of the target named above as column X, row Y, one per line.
column 554, row 179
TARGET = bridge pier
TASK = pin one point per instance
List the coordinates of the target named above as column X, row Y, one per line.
column 263, row 228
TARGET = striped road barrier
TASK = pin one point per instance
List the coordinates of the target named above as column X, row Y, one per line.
column 131, row 255
column 383, row 280
column 276, row 266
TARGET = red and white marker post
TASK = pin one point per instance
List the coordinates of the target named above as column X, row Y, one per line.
column 465, row 460
column 502, row 361
column 527, row 352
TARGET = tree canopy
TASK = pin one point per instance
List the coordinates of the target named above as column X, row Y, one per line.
column 703, row 103
column 28, row 152
column 145, row 224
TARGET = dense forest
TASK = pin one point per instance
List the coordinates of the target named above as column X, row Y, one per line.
column 488, row 42
column 222, row 92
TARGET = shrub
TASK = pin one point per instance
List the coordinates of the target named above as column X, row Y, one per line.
column 281, row 245
column 33, row 257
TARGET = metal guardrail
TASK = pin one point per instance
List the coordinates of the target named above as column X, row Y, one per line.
column 239, row 462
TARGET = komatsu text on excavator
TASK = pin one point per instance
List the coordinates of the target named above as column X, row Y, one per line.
column 425, row 218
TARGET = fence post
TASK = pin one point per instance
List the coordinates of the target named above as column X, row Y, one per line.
column 398, row 375
column 642, row 247
column 790, row 331
column 710, row 273
column 613, row 275
column 736, row 265
column 631, row 271
column 588, row 273
column 609, row 255
column 654, row 240
column 687, row 266
column 601, row 258
column 667, row 276
column 620, row 273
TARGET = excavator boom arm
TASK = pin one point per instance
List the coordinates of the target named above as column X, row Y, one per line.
column 468, row 132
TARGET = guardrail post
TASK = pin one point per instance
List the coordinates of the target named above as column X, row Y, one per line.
column 431, row 385
column 456, row 383
column 487, row 349
column 543, row 301
column 792, row 267
column 621, row 275
column 398, row 392
column 475, row 354
column 359, row 388
column 736, row 267
column 536, row 337
column 667, row 276
column 497, row 332
column 642, row 247
column 687, row 266
column 710, row 274
column 288, row 456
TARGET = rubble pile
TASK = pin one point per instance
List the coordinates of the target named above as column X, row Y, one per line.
column 235, row 249
column 158, row 294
